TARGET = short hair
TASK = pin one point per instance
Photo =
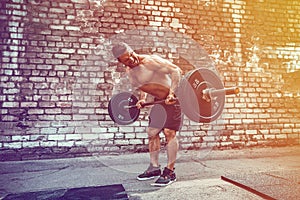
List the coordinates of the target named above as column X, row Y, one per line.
column 120, row 49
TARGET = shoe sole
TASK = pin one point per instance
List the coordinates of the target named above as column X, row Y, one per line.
column 162, row 185
column 145, row 179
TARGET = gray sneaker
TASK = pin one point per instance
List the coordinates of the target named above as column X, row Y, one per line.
column 150, row 173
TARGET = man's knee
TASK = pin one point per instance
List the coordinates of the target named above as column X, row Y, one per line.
column 153, row 133
column 170, row 134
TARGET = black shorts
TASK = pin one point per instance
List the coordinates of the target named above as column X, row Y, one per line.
column 166, row 116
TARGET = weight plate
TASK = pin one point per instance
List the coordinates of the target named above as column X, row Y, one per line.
column 190, row 95
column 117, row 111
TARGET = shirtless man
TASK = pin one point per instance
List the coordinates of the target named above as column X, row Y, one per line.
column 158, row 77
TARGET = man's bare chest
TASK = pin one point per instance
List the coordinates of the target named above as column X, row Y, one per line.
column 145, row 76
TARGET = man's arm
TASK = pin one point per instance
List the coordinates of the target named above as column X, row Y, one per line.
column 175, row 75
column 167, row 67
column 142, row 94
column 142, row 99
column 175, row 78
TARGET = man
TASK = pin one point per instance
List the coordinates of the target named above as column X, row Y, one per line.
column 158, row 77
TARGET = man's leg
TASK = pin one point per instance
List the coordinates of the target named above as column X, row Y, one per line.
column 168, row 176
column 154, row 145
column 172, row 147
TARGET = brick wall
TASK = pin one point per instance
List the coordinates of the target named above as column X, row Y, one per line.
column 57, row 72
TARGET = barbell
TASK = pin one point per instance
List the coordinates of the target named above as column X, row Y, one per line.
column 201, row 95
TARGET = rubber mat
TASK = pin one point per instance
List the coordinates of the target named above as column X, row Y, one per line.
column 116, row 192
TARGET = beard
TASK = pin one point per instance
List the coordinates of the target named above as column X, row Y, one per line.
column 135, row 62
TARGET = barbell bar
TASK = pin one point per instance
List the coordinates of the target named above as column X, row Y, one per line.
column 146, row 104
column 207, row 95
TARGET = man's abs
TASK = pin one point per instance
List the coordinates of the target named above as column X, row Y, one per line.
column 157, row 90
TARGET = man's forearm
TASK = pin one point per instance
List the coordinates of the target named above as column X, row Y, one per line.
column 175, row 78
column 143, row 95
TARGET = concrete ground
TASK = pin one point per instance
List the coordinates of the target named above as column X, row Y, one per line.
column 271, row 171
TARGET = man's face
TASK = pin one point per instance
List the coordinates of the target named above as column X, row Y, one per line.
column 129, row 59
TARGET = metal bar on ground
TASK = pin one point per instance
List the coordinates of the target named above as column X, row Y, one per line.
column 247, row 188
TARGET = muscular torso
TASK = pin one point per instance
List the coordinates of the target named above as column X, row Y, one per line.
column 151, row 78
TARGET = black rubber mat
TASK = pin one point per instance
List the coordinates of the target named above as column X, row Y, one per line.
column 107, row 192
column 269, row 185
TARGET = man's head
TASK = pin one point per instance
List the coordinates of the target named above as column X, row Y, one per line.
column 124, row 53
column 120, row 49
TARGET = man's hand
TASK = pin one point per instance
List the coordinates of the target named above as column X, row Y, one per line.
column 170, row 99
column 140, row 103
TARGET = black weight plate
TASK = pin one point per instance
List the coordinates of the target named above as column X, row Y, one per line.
column 191, row 97
column 118, row 113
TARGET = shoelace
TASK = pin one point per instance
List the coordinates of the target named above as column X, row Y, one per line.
column 165, row 174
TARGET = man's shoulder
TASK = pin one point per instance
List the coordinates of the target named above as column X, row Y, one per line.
column 150, row 56
column 155, row 56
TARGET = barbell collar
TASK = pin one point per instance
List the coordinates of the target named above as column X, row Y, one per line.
column 227, row 91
